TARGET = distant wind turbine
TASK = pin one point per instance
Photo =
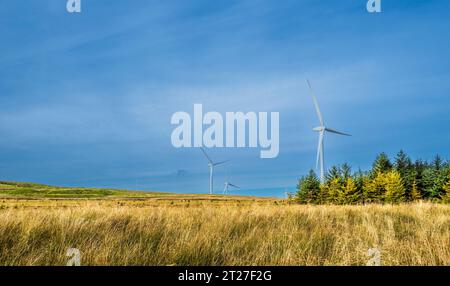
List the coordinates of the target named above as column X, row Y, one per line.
column 227, row 186
column 211, row 166
column 321, row 129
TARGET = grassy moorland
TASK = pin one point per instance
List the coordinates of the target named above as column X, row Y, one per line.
column 32, row 190
column 162, row 229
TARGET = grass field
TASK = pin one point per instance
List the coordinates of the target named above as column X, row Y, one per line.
column 27, row 191
column 39, row 223
column 164, row 229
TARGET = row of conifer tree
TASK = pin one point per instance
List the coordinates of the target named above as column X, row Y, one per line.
column 402, row 180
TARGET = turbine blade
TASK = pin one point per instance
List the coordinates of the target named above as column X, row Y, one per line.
column 336, row 132
column 316, row 103
column 220, row 163
column 206, row 155
column 234, row 186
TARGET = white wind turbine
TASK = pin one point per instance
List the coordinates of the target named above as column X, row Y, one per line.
column 321, row 129
column 227, row 186
column 211, row 166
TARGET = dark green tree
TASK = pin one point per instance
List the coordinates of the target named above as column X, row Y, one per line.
column 419, row 168
column 433, row 181
column 382, row 164
column 346, row 171
column 360, row 178
column 402, row 162
column 437, row 163
column 333, row 173
column 308, row 189
column 403, row 165
column 446, row 195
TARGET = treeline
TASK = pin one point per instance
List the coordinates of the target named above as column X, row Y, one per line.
column 387, row 182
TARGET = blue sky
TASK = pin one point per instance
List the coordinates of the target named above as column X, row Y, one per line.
column 86, row 99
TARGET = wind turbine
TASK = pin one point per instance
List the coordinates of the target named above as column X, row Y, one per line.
column 227, row 186
column 321, row 129
column 211, row 166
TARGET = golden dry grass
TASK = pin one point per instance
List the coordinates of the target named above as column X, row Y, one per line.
column 266, row 232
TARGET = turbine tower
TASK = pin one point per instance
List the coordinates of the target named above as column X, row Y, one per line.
column 321, row 129
column 227, row 186
column 211, row 166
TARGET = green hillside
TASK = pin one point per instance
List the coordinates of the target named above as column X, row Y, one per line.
column 18, row 190
column 31, row 190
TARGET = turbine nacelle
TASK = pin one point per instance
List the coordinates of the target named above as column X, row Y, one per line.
column 323, row 128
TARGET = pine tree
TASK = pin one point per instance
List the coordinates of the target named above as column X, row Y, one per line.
column 437, row 163
column 322, row 197
column 382, row 164
column 346, row 171
column 334, row 173
column 373, row 189
column 404, row 166
column 402, row 162
column 446, row 195
column 308, row 188
column 359, row 180
column 394, row 188
column 351, row 194
column 335, row 191
column 415, row 192
column 428, row 186
column 433, row 181
column 419, row 168
column 441, row 181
